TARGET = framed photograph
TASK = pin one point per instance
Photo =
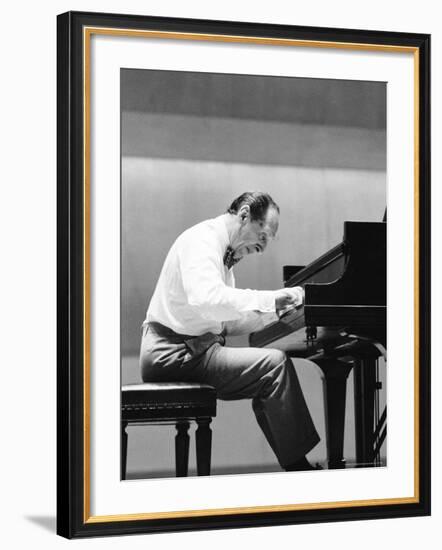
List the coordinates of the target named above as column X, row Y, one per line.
column 243, row 233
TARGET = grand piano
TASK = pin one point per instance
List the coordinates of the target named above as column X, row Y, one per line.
column 342, row 326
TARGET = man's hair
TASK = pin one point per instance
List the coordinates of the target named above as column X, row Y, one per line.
column 258, row 202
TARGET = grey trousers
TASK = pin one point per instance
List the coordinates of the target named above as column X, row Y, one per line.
column 267, row 376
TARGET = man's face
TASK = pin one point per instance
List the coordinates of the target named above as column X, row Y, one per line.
column 254, row 236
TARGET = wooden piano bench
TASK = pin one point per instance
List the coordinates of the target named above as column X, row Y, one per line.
column 171, row 402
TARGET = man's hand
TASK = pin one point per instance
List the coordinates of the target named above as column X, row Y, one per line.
column 288, row 298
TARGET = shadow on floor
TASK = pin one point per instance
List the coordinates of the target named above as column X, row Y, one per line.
column 49, row 523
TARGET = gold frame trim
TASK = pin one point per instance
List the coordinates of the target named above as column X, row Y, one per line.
column 87, row 33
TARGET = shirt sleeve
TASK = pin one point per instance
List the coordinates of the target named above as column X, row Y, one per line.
column 202, row 274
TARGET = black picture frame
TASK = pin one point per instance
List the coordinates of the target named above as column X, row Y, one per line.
column 73, row 517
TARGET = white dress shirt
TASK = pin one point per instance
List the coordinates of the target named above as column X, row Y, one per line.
column 196, row 293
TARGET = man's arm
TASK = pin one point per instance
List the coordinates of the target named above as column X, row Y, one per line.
column 202, row 277
column 254, row 321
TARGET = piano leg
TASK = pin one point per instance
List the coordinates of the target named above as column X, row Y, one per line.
column 335, row 374
column 364, row 390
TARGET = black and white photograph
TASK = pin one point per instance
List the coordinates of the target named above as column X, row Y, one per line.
column 253, row 274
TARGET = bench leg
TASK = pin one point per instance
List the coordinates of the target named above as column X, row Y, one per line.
column 182, row 449
column 203, row 446
column 123, row 450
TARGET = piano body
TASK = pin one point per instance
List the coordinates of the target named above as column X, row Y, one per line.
column 342, row 325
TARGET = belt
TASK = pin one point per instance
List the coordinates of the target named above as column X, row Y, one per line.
column 197, row 344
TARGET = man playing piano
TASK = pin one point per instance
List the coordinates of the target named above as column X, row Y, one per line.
column 195, row 304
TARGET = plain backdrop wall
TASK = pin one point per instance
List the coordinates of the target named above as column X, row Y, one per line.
column 27, row 223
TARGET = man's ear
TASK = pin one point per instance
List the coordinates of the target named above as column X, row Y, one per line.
column 244, row 213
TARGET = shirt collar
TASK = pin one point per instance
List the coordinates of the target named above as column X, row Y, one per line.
column 221, row 230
